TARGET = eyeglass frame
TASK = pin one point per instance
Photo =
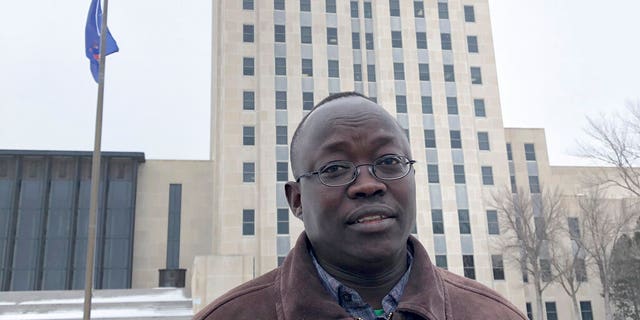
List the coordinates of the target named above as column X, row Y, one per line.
column 356, row 171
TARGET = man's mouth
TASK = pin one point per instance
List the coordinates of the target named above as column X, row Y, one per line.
column 369, row 219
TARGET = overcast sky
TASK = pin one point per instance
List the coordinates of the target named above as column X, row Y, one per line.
column 558, row 61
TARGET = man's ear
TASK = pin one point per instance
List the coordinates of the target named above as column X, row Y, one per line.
column 292, row 190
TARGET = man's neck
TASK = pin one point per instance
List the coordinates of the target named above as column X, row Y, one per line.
column 372, row 281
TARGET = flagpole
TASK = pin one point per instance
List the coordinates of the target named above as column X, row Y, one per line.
column 95, row 170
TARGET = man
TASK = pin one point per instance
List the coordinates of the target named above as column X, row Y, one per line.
column 356, row 195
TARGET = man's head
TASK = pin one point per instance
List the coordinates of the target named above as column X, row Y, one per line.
column 368, row 219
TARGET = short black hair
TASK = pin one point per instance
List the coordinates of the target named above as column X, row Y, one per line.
column 298, row 132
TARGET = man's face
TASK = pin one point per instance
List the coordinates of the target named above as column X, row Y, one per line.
column 368, row 219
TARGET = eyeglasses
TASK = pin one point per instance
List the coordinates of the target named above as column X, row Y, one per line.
column 340, row 173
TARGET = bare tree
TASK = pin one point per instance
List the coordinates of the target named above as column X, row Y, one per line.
column 603, row 223
column 615, row 141
column 570, row 266
column 533, row 226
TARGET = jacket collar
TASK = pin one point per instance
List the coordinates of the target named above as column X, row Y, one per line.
column 302, row 295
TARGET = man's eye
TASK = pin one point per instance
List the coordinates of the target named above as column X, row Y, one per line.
column 388, row 161
column 335, row 169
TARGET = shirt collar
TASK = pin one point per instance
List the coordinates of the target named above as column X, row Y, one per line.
column 352, row 302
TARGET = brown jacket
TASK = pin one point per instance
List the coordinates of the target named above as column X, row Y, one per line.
column 294, row 291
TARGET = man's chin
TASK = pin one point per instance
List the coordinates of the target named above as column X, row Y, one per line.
column 378, row 252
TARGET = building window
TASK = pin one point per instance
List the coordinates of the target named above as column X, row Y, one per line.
column 281, row 135
column 334, row 69
column 514, row 187
column 483, row 141
column 332, row 36
column 529, row 152
column 281, row 100
column 248, row 136
column 421, row 40
column 476, row 75
column 545, row 270
column 437, row 221
column 509, row 153
column 281, row 66
column 452, row 105
column 394, row 8
column 443, row 10
column 478, row 106
column 498, row 267
column 585, row 310
column 247, row 33
column 432, row 173
column 278, row 4
column 367, row 10
column 580, row 270
column 401, row 104
column 282, row 171
column 540, row 229
column 534, row 184
column 248, row 172
column 247, row 66
column 283, row 221
column 305, row 5
column 423, row 69
column 463, row 221
column 574, row 227
column 441, row 261
column 398, row 71
column 307, row 67
column 357, row 72
column 445, row 40
column 456, row 141
column 248, row 222
column 487, row 176
column 396, row 39
column 173, row 229
column 472, row 44
column 279, row 33
column 248, row 100
column 418, row 9
column 552, row 313
column 368, row 38
column 429, row 138
column 354, row 9
column 529, row 311
column 305, row 35
column 458, row 173
column 427, row 105
column 247, row 4
column 492, row 222
column 355, row 40
column 330, row 6
column 307, row 100
column 449, row 74
column 468, row 266
column 469, row 14
column 371, row 72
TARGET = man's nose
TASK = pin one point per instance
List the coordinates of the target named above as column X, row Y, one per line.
column 366, row 184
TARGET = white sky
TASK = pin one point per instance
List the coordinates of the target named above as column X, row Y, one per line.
column 557, row 61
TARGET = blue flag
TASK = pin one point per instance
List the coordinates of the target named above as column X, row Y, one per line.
column 92, row 38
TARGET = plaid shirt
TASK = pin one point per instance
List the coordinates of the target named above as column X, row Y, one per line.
column 353, row 303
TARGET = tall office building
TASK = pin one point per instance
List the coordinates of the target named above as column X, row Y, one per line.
column 429, row 63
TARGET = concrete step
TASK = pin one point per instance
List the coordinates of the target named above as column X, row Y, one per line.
column 43, row 306
column 161, row 303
